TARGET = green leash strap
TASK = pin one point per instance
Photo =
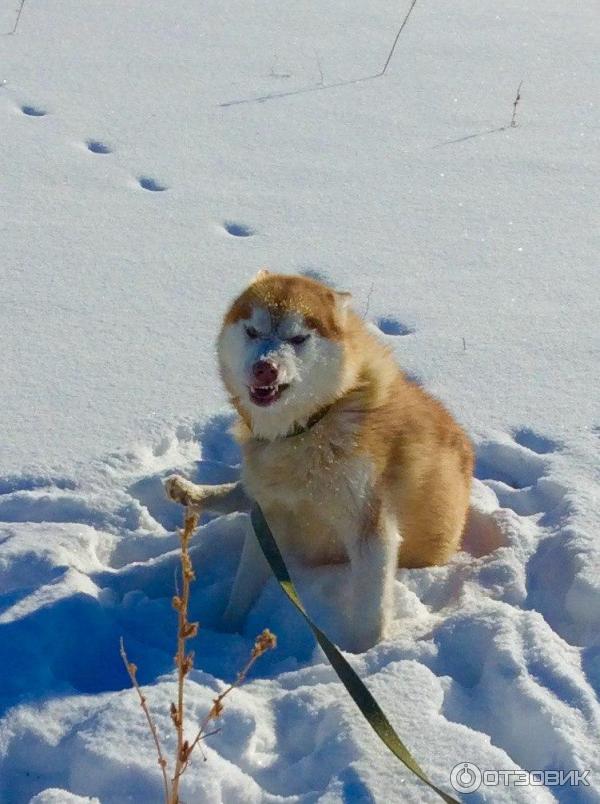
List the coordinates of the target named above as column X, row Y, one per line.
column 349, row 678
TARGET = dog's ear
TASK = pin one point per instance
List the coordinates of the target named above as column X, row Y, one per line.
column 262, row 274
column 343, row 300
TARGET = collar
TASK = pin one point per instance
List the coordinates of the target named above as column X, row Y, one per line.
column 298, row 429
column 314, row 419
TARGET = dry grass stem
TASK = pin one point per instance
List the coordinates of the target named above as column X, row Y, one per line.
column 264, row 642
column 184, row 661
column 513, row 121
column 400, row 29
column 132, row 670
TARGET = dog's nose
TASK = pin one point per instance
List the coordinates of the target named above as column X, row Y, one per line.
column 264, row 372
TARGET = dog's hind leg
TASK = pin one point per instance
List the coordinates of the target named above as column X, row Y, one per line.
column 223, row 499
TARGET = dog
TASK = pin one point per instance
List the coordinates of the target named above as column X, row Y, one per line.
column 348, row 459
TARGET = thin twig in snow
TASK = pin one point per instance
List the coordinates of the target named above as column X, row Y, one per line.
column 264, row 642
column 321, row 79
column 369, row 294
column 513, row 124
column 184, row 662
column 513, row 121
column 20, row 11
column 321, row 85
column 132, row 671
column 400, row 29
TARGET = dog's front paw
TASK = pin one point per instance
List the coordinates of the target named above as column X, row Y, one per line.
column 178, row 489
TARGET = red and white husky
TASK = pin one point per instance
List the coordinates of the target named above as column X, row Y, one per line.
column 348, row 459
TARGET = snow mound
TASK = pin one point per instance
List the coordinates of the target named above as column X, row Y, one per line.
column 480, row 667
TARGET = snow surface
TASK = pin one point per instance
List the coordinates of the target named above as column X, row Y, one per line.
column 153, row 156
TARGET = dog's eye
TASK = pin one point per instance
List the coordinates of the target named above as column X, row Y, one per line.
column 298, row 339
column 251, row 333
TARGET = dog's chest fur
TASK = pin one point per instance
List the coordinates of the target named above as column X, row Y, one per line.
column 313, row 488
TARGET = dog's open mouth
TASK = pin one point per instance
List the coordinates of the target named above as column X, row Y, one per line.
column 264, row 395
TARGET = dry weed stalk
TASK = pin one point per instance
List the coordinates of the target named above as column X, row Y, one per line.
column 132, row 670
column 513, row 120
column 18, row 19
column 264, row 642
column 184, row 662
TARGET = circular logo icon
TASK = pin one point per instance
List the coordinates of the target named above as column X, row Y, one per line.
column 465, row 777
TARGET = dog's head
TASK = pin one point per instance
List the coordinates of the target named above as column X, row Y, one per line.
column 282, row 352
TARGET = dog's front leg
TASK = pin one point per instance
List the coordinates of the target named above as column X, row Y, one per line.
column 253, row 569
column 223, row 499
column 251, row 576
column 373, row 562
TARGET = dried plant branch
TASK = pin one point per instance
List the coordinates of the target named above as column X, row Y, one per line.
column 402, row 26
column 513, row 120
column 184, row 662
column 132, row 671
column 320, row 68
column 320, row 86
column 368, row 304
column 16, row 25
column 513, row 124
column 264, row 642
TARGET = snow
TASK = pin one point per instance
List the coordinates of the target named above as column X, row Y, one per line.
column 154, row 155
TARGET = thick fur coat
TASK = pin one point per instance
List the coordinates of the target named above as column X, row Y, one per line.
column 348, row 459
